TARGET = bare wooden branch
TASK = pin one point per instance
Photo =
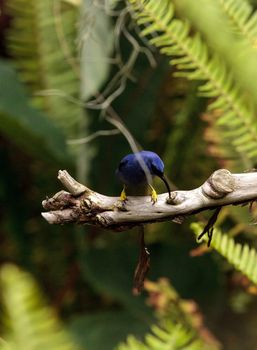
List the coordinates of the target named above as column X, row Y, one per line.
column 82, row 205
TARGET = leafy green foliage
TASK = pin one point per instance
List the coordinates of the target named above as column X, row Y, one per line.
column 241, row 256
column 192, row 59
column 206, row 18
column 169, row 336
column 41, row 40
column 33, row 326
column 179, row 328
column 24, row 124
column 87, row 274
column 242, row 18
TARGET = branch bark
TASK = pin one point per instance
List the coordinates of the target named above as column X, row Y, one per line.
column 82, row 205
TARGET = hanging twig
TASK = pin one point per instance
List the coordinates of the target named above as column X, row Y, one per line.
column 210, row 226
column 143, row 265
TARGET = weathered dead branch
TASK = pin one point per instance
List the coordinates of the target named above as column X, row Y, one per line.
column 82, row 205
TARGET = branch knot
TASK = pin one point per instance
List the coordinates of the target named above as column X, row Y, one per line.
column 219, row 184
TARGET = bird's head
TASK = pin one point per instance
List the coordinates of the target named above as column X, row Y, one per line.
column 156, row 167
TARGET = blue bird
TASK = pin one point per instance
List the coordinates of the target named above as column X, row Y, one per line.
column 137, row 169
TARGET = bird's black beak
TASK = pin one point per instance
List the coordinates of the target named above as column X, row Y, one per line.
column 166, row 183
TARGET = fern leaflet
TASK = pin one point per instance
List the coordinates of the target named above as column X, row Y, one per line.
column 242, row 257
column 40, row 35
column 33, row 325
column 242, row 18
column 179, row 326
column 170, row 336
column 190, row 55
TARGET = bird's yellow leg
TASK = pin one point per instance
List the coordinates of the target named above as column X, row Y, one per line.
column 154, row 195
column 123, row 196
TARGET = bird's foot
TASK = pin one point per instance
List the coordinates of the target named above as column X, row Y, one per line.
column 121, row 204
column 154, row 195
column 123, row 195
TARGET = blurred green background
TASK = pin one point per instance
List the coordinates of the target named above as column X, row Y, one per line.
column 66, row 69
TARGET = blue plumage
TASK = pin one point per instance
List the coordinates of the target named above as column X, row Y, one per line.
column 131, row 173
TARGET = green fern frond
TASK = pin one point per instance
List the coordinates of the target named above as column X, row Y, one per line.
column 242, row 18
column 170, row 336
column 178, row 326
column 241, row 256
column 191, row 57
column 32, row 325
column 41, row 40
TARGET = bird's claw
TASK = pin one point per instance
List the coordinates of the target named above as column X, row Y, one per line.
column 123, row 196
column 154, row 196
column 121, row 205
